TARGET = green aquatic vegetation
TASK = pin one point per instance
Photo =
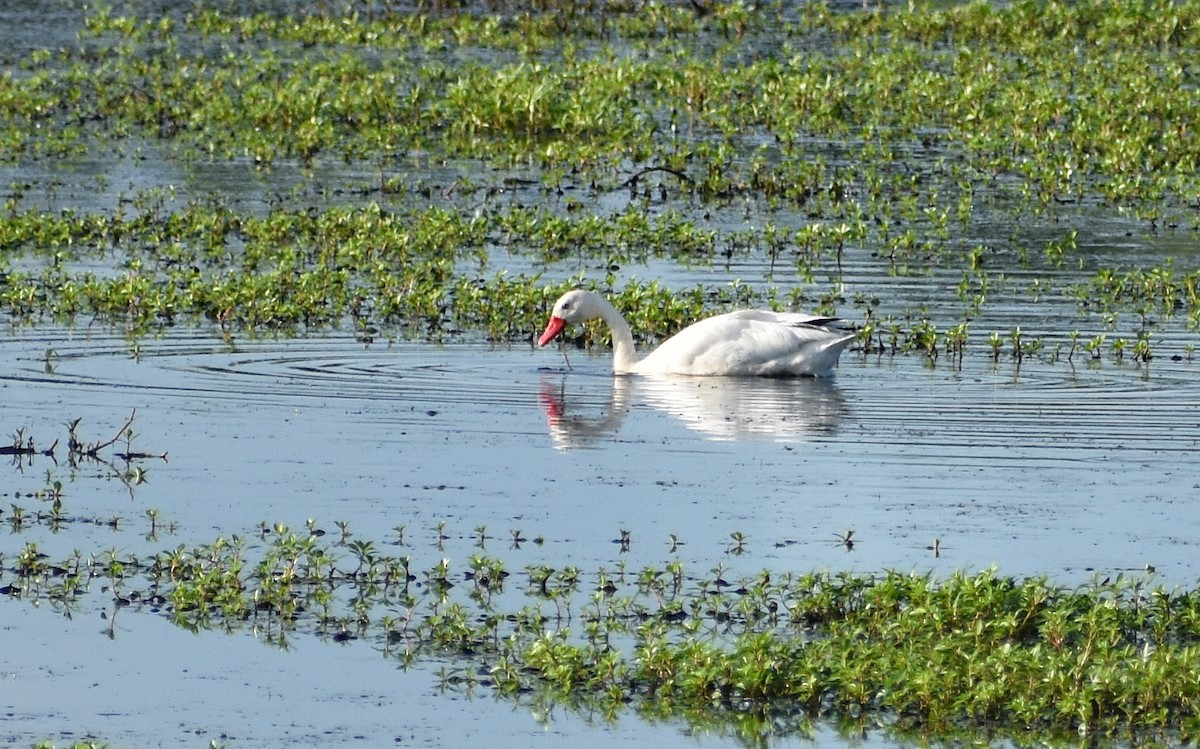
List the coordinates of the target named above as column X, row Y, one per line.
column 630, row 236
column 902, row 70
column 968, row 652
column 304, row 269
column 955, row 341
column 810, row 142
column 1157, row 290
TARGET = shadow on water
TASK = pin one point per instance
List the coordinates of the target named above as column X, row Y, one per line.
column 733, row 409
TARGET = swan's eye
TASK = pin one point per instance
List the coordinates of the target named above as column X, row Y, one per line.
column 566, row 305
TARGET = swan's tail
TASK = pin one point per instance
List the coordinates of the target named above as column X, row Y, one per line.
column 824, row 358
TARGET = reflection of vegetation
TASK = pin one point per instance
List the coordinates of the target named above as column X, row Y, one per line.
column 123, row 465
column 755, row 656
column 809, row 140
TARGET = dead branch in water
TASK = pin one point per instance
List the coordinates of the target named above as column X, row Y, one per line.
column 24, row 447
column 93, row 451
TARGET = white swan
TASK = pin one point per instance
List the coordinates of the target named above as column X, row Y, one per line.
column 736, row 344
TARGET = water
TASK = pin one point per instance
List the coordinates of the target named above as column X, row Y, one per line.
column 1068, row 472
column 1071, row 470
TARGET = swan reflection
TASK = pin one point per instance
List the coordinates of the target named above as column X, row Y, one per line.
column 733, row 408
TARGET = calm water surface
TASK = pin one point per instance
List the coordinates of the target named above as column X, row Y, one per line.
column 1065, row 471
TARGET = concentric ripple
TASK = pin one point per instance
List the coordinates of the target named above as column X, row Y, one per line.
column 978, row 412
column 285, row 371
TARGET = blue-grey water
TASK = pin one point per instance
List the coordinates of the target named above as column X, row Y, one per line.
column 1067, row 472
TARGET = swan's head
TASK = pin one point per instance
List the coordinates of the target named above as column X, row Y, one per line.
column 573, row 307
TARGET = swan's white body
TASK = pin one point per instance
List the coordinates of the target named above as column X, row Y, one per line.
column 737, row 344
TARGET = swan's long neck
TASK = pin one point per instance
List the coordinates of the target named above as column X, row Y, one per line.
column 624, row 353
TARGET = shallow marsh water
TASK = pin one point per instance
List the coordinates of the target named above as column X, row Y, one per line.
column 1059, row 469
column 1070, row 472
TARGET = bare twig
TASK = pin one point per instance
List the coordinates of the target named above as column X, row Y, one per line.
column 93, row 450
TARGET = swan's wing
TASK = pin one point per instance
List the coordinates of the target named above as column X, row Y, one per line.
column 749, row 343
column 788, row 318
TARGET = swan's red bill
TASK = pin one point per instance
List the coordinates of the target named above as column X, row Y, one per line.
column 554, row 328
